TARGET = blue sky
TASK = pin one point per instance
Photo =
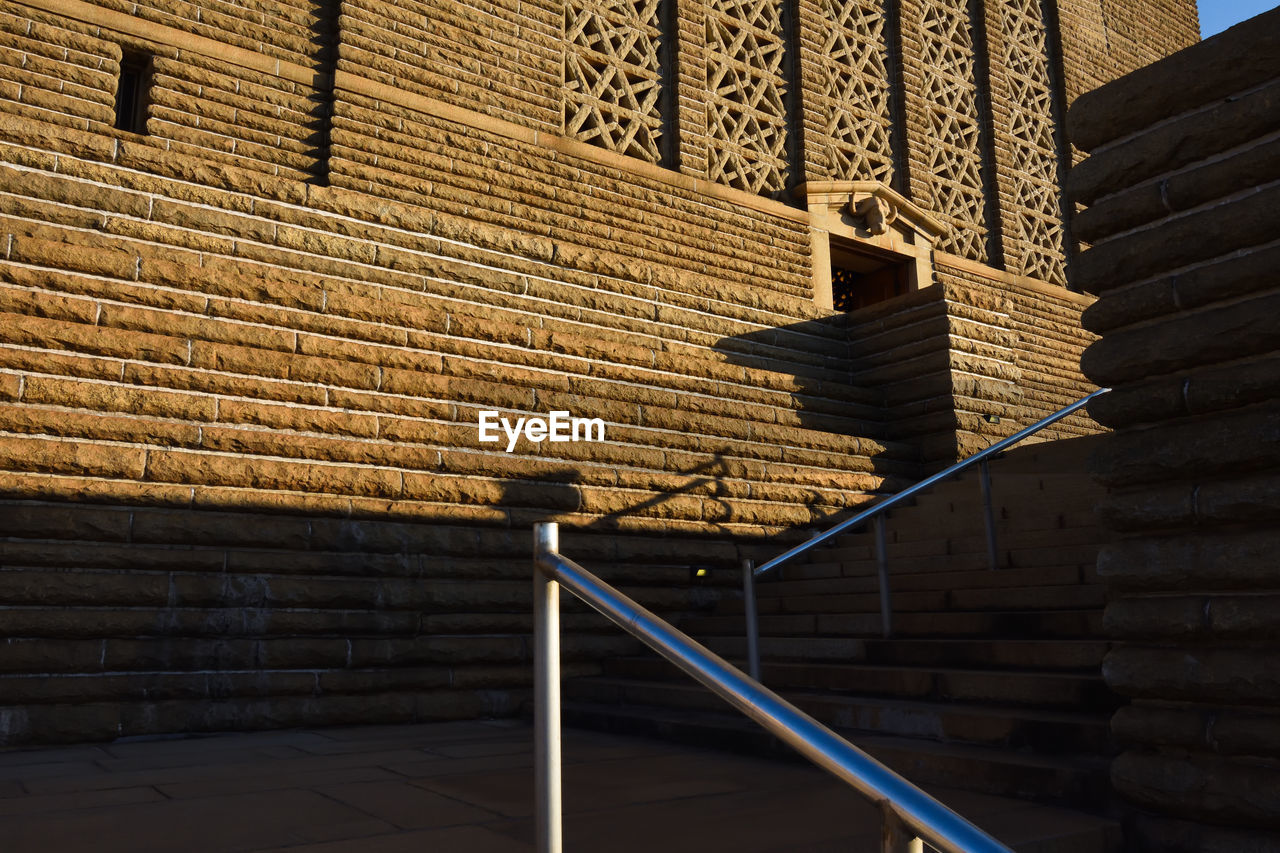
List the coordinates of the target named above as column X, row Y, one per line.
column 1217, row 15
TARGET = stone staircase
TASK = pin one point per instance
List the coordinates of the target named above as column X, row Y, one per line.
column 992, row 679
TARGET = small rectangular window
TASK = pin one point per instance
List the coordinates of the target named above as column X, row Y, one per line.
column 860, row 279
column 133, row 92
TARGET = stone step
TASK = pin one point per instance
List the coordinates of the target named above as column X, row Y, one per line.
column 75, row 586
column 1082, row 781
column 973, row 568
column 1007, row 624
column 956, row 552
column 931, row 519
column 1062, row 690
column 1048, row 732
column 979, row 579
column 164, row 623
column 1065, row 597
column 856, row 560
column 46, row 657
column 1043, row 655
column 970, row 536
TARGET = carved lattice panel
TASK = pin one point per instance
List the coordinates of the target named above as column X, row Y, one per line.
column 613, row 75
column 746, row 107
column 953, row 155
column 1037, row 221
column 856, row 91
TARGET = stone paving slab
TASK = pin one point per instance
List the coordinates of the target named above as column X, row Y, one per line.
column 465, row 786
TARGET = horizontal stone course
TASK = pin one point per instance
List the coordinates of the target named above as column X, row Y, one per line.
column 1199, row 235
column 1244, row 730
column 1189, row 161
column 1211, row 786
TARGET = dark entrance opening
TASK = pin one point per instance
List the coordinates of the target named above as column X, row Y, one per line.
column 133, row 94
column 860, row 278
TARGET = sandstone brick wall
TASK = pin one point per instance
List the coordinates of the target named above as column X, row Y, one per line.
column 1182, row 185
column 54, row 73
column 242, row 356
column 241, row 476
column 499, row 58
column 1101, row 41
column 233, row 99
column 672, row 237
column 950, row 357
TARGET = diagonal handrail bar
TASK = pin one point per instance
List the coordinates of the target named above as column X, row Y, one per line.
column 909, row 815
column 911, row 491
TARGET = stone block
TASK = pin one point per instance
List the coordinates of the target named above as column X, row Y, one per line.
column 1191, row 341
column 1233, row 225
column 1238, row 792
column 60, row 521
column 1213, row 559
column 1190, row 138
column 1239, row 441
column 1165, row 835
column 1224, row 673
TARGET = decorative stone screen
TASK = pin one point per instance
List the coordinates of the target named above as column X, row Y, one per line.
column 613, row 75
column 856, row 95
column 746, row 91
column 952, row 163
column 1036, row 224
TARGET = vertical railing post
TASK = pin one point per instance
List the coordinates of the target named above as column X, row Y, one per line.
column 897, row 838
column 546, row 690
column 882, row 566
column 753, row 625
column 984, row 475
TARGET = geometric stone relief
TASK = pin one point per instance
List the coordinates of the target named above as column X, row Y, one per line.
column 953, row 156
column 1036, row 214
column 856, row 91
column 613, row 75
column 746, row 100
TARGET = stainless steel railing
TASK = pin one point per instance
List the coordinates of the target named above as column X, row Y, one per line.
column 910, row 816
column 876, row 516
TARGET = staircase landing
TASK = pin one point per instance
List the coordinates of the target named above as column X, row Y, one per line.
column 992, row 680
column 465, row 786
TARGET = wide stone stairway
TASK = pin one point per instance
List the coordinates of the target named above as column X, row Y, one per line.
column 992, row 678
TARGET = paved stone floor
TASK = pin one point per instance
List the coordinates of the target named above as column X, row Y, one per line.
column 449, row 787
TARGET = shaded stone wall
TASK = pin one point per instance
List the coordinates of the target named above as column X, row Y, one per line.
column 1182, row 183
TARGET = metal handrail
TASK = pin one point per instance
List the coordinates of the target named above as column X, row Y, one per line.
column 910, row 816
column 907, row 493
column 876, row 515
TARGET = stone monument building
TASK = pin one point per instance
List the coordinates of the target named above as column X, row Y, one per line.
column 265, row 264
